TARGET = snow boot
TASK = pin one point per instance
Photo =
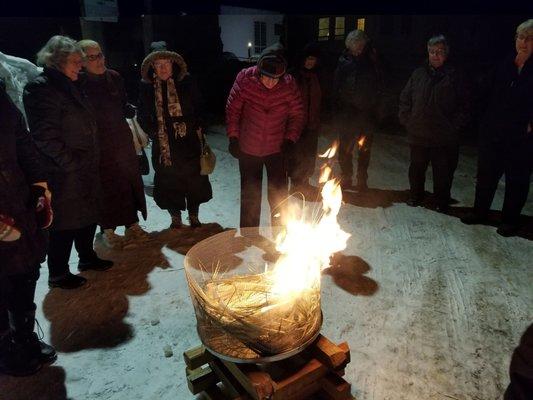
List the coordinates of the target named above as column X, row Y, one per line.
column 69, row 281
column 177, row 223
column 95, row 263
column 23, row 334
column 15, row 358
column 194, row 221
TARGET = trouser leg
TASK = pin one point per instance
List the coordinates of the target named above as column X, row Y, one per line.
column 517, row 180
column 59, row 247
column 83, row 241
column 417, row 170
column 277, row 188
column 489, row 171
column 251, row 171
column 441, row 175
column 363, row 159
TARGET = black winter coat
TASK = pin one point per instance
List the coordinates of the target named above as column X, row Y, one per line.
column 122, row 186
column 510, row 107
column 358, row 82
column 433, row 106
column 20, row 166
column 64, row 129
column 182, row 178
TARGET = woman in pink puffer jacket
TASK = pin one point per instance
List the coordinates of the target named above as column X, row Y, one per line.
column 264, row 117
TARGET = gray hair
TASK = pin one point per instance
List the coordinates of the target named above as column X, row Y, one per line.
column 55, row 52
column 88, row 44
column 355, row 36
column 439, row 39
column 525, row 27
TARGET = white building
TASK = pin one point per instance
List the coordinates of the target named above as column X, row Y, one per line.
column 246, row 32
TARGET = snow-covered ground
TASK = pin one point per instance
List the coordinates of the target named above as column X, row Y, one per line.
column 431, row 308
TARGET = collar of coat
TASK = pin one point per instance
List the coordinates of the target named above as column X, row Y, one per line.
column 147, row 70
column 63, row 82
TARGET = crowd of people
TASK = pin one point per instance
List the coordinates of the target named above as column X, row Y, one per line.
column 77, row 169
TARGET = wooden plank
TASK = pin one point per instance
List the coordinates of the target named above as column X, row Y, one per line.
column 214, row 393
column 258, row 384
column 335, row 388
column 328, row 352
column 344, row 346
column 196, row 357
column 308, row 375
column 232, row 388
column 200, row 379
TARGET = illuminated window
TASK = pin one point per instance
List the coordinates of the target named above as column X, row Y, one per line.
column 323, row 28
column 361, row 24
column 339, row 27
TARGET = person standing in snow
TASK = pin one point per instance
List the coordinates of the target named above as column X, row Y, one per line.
column 302, row 163
column 170, row 112
column 63, row 126
column 506, row 137
column 433, row 107
column 264, row 117
column 357, row 90
column 120, row 177
column 24, row 212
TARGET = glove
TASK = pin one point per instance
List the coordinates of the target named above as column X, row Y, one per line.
column 41, row 200
column 234, row 148
column 287, row 147
column 8, row 232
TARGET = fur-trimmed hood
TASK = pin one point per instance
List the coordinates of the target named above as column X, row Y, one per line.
column 147, row 71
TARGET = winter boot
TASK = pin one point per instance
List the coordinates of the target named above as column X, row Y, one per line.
column 16, row 359
column 135, row 232
column 69, row 281
column 177, row 223
column 194, row 221
column 95, row 263
column 24, row 335
column 111, row 239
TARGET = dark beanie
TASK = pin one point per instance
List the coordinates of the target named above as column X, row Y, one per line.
column 158, row 46
column 272, row 63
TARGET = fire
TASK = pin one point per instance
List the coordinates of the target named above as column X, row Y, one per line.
column 361, row 142
column 306, row 246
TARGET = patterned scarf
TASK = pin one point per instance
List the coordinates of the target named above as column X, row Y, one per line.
column 174, row 110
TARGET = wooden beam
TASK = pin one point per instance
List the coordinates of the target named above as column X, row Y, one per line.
column 200, row 379
column 196, row 357
column 328, row 352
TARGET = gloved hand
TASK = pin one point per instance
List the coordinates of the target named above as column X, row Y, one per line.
column 287, row 147
column 8, row 232
column 41, row 200
column 234, row 148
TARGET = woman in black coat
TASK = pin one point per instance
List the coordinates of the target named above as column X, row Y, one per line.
column 64, row 129
column 169, row 112
column 24, row 212
column 120, row 177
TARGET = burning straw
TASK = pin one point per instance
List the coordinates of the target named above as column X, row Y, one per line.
column 261, row 314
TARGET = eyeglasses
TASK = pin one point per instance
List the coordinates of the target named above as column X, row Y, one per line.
column 437, row 52
column 94, row 57
column 525, row 38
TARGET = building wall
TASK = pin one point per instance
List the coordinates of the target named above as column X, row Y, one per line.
column 237, row 28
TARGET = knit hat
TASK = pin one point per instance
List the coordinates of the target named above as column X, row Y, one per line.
column 158, row 46
column 272, row 62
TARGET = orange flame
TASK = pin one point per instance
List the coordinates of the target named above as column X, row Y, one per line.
column 361, row 142
column 306, row 246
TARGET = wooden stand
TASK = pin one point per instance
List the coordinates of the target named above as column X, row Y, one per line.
column 315, row 373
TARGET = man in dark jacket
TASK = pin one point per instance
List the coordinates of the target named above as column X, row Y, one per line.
column 357, row 88
column 433, row 109
column 302, row 162
column 506, row 137
column 264, row 117
column 24, row 212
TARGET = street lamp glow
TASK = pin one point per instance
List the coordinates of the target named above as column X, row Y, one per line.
column 249, row 44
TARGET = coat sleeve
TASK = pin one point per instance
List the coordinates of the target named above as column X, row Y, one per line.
column 128, row 108
column 198, row 104
column 43, row 111
column 145, row 111
column 296, row 120
column 406, row 102
column 234, row 107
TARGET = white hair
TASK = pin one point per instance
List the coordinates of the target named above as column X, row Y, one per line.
column 355, row 36
column 525, row 27
column 439, row 39
column 55, row 52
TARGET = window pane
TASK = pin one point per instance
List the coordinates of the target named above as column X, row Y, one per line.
column 361, row 24
column 339, row 22
column 323, row 23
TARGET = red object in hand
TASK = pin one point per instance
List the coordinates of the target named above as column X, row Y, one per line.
column 43, row 208
column 8, row 231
